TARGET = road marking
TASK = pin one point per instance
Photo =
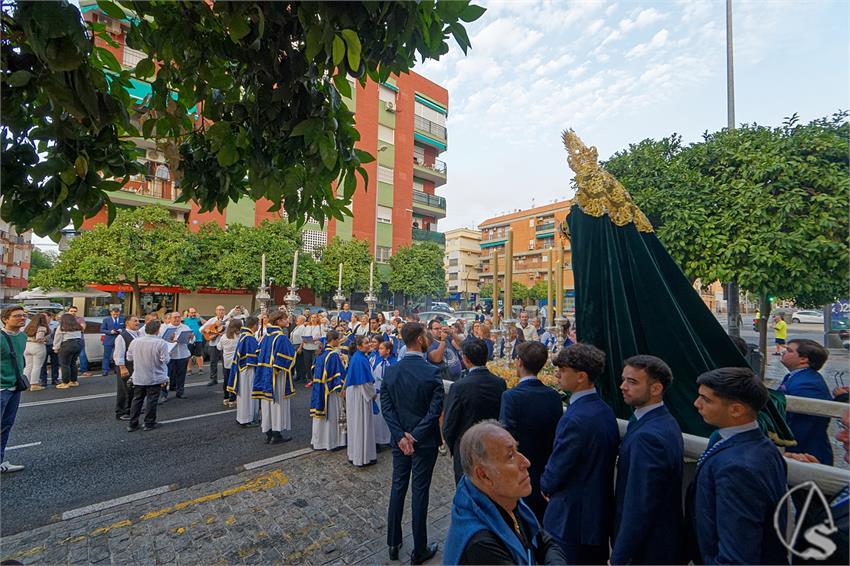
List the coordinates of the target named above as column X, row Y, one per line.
column 198, row 416
column 23, row 446
column 83, row 398
column 275, row 459
column 74, row 513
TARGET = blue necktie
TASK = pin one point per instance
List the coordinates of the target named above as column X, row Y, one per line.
column 713, row 442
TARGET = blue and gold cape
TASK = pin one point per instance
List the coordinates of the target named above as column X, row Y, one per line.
column 275, row 360
column 244, row 357
column 329, row 370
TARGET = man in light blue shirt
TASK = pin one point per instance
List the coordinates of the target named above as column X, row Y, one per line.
column 178, row 337
column 150, row 357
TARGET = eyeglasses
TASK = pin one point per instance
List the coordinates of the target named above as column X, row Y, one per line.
column 843, row 426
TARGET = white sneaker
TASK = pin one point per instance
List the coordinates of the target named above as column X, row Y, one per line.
column 7, row 468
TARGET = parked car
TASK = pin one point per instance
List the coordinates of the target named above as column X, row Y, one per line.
column 468, row 316
column 815, row 317
column 428, row 316
column 93, row 339
column 438, row 306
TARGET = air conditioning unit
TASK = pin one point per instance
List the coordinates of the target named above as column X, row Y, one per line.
column 390, row 106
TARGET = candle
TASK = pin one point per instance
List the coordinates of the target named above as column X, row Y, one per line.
column 294, row 268
column 263, row 271
column 339, row 284
column 371, row 275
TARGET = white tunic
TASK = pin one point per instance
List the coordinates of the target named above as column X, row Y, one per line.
column 326, row 433
column 361, row 424
column 382, row 431
column 276, row 415
column 246, row 408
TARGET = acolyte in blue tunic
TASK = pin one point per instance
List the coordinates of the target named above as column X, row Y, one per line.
column 328, row 377
column 244, row 357
column 360, row 372
column 275, row 361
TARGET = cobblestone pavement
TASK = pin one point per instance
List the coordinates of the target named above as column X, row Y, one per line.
column 314, row 509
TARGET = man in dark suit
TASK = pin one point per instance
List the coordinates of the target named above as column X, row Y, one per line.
column 110, row 327
column 804, row 359
column 740, row 478
column 475, row 397
column 530, row 412
column 579, row 477
column 411, row 402
column 648, row 494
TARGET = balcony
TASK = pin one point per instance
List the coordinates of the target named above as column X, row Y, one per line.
column 150, row 190
column 433, row 134
column 546, row 227
column 429, row 205
column 420, row 235
column 435, row 172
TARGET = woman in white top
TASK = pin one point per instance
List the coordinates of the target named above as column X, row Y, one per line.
column 383, row 325
column 68, row 342
column 310, row 336
column 361, row 327
column 35, row 353
column 227, row 346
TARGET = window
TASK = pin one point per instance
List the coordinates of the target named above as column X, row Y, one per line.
column 418, row 186
column 383, row 254
column 531, row 244
column 385, row 214
column 531, row 223
column 452, row 262
column 386, row 94
column 385, row 174
column 132, row 57
column 386, row 134
column 430, row 114
column 419, row 154
column 313, row 240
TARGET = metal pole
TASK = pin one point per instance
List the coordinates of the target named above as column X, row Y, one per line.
column 733, row 303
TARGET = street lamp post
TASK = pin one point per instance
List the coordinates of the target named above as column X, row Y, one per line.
column 732, row 294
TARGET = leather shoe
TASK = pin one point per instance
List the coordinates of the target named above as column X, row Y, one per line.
column 394, row 552
column 212, row 382
column 150, row 426
column 429, row 553
column 123, row 417
column 132, row 428
column 181, row 396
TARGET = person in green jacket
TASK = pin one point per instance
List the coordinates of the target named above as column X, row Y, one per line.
column 14, row 319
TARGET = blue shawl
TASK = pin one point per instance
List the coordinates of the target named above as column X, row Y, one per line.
column 275, row 361
column 360, row 372
column 244, row 357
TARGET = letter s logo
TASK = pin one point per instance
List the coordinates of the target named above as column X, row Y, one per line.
column 817, row 536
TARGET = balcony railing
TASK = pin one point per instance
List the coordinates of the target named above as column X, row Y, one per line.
column 421, row 235
column 426, row 125
column 156, row 188
column 429, row 200
column 546, row 227
column 438, row 166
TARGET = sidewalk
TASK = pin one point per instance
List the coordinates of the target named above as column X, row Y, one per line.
column 313, row 509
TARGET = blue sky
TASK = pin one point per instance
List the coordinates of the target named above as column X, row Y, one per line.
column 620, row 72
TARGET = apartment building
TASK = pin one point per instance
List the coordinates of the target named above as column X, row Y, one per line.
column 402, row 122
column 535, row 232
column 15, row 255
column 463, row 264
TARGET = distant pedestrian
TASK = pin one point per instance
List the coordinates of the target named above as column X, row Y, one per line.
column 345, row 314
column 360, row 406
column 124, row 368
column 110, row 327
column 194, row 321
column 68, row 343
column 227, row 347
column 385, row 358
column 490, row 522
column 529, row 333
column 444, row 351
column 295, row 333
column 530, row 411
column 311, row 334
column 580, row 473
column 12, row 347
column 213, row 330
column 273, row 379
column 35, row 355
column 475, row 397
column 240, row 379
column 150, row 356
column 648, row 493
column 83, row 357
column 412, row 400
column 780, row 333
column 50, row 356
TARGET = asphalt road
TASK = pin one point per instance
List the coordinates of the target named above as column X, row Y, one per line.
column 85, row 456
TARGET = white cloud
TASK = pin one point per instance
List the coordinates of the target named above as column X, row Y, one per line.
column 555, row 64
column 657, row 41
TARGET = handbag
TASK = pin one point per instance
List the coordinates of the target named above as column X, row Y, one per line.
column 21, row 381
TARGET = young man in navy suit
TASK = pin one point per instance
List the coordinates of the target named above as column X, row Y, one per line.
column 740, row 478
column 411, row 402
column 579, row 477
column 530, row 412
column 110, row 327
column 648, row 510
column 804, row 359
